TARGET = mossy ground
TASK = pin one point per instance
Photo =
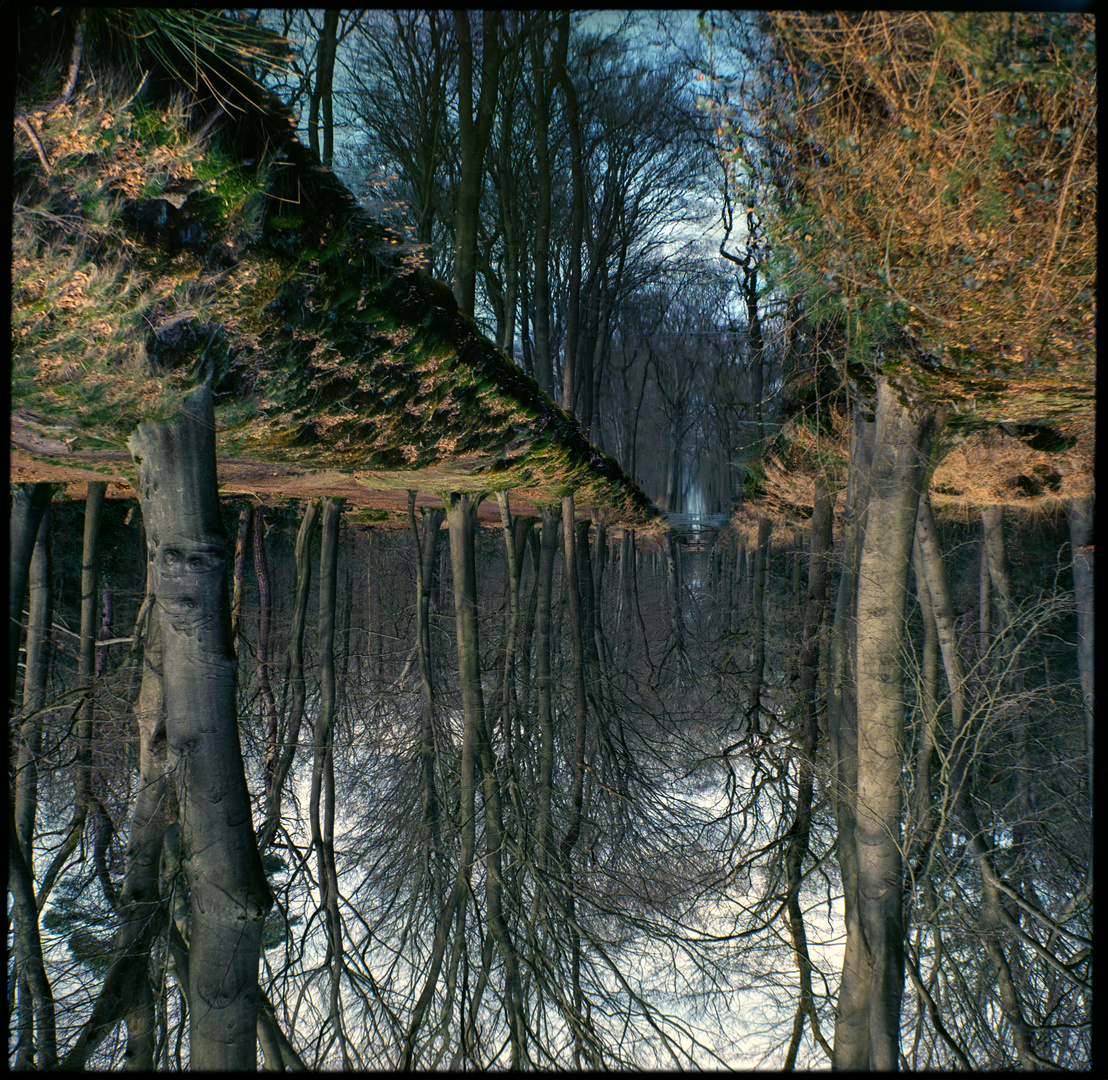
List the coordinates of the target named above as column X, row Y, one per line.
column 145, row 259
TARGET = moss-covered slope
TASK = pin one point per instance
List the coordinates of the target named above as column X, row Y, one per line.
column 163, row 241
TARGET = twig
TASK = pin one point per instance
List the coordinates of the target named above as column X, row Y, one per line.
column 892, row 288
column 22, row 121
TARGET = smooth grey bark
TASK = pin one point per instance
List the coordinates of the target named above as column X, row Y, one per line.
column 25, row 782
column 495, row 838
column 984, row 601
column 992, row 521
column 461, row 520
column 229, row 895
column 29, row 503
column 901, row 445
column 580, row 710
column 852, row 1011
column 868, row 1021
column 39, row 638
column 506, row 692
column 580, row 702
column 1079, row 513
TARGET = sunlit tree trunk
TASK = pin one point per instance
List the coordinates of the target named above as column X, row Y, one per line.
column 229, row 894
column 852, row 1011
column 901, row 444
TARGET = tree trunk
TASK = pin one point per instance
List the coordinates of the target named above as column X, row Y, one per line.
column 229, row 894
column 921, row 824
column 86, row 673
column 426, row 550
column 799, row 832
column 963, row 740
column 29, row 503
column 1079, row 512
column 543, row 649
column 984, row 602
column 296, row 673
column 473, row 140
column 39, row 637
column 142, row 906
column 265, row 620
column 992, row 522
column 240, row 571
column 901, row 446
column 852, row 1012
column 573, row 831
column 577, row 224
column 758, row 645
column 322, row 95
column 322, row 803
column 34, row 998
column 86, row 660
column 27, row 946
column 543, row 356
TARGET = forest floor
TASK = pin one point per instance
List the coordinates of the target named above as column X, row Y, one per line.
column 375, row 496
